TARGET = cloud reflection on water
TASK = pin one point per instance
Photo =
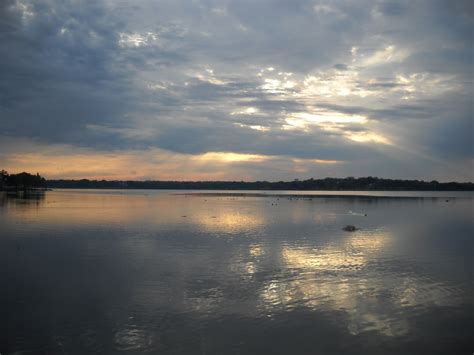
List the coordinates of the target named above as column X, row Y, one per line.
column 248, row 258
column 354, row 277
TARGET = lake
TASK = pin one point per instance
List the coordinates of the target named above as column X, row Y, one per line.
column 182, row 272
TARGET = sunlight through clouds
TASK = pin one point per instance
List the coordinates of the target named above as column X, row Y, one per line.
column 364, row 137
column 247, row 111
column 330, row 118
column 335, row 122
column 336, row 81
column 386, row 55
column 323, row 119
column 229, row 157
column 135, row 40
column 254, row 127
column 333, row 83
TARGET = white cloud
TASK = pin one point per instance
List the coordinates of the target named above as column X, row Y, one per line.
column 389, row 54
column 136, row 40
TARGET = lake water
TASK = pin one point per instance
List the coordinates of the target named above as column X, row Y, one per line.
column 127, row 272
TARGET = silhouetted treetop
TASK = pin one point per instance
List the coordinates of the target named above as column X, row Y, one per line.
column 345, row 184
column 21, row 181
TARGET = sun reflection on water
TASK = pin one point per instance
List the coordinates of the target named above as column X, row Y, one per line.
column 331, row 278
column 227, row 220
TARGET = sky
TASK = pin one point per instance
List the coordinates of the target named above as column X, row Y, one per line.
column 237, row 90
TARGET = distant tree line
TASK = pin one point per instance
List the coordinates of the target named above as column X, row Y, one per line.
column 21, row 182
column 346, row 184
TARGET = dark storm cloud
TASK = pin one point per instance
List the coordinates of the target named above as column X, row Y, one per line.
column 202, row 76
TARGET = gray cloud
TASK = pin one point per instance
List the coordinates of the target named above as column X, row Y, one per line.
column 250, row 77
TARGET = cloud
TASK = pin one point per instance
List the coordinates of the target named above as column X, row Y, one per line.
column 311, row 80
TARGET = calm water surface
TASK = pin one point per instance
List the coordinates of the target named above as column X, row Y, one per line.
column 128, row 272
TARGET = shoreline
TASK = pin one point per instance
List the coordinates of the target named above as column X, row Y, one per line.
column 286, row 194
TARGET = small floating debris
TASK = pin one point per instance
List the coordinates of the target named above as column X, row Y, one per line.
column 349, row 228
column 183, row 216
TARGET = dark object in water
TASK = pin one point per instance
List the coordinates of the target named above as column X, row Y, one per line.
column 349, row 228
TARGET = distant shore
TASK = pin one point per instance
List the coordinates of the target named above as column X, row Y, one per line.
column 326, row 184
column 326, row 194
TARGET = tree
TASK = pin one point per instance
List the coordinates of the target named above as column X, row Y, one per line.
column 23, row 181
column 3, row 177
